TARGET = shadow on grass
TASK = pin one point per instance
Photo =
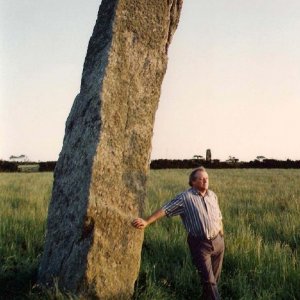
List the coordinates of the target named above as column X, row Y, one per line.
column 16, row 281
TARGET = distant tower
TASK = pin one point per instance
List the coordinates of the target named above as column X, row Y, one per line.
column 208, row 155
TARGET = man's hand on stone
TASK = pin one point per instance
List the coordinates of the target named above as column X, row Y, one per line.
column 139, row 223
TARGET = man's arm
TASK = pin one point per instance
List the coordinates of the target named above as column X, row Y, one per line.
column 140, row 223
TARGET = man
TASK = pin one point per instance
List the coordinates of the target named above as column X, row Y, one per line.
column 200, row 213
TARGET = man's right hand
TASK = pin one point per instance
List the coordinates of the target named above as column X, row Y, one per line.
column 139, row 223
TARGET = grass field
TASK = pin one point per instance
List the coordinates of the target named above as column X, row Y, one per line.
column 261, row 211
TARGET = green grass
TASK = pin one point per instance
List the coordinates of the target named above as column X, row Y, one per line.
column 261, row 211
column 23, row 208
column 262, row 224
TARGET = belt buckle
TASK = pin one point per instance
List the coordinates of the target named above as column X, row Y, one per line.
column 214, row 237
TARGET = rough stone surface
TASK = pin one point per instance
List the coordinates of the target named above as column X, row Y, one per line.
column 100, row 177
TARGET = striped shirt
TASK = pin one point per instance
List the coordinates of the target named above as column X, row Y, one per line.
column 200, row 215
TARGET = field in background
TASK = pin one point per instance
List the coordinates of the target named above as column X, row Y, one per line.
column 261, row 210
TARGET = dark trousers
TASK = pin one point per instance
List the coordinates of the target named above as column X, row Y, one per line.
column 207, row 256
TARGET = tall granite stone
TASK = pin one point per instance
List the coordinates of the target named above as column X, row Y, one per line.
column 99, row 181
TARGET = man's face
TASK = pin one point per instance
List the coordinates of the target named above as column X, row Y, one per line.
column 201, row 182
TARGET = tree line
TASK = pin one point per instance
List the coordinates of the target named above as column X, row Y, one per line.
column 49, row 166
column 229, row 164
column 14, row 166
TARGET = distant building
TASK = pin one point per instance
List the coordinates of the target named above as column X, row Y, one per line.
column 232, row 160
column 200, row 157
column 260, row 158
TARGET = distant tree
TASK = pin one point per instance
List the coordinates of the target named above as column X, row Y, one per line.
column 20, row 158
column 8, row 166
column 208, row 155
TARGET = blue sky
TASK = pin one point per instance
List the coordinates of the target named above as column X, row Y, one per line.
column 232, row 83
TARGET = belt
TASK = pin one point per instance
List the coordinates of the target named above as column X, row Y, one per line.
column 203, row 238
column 214, row 237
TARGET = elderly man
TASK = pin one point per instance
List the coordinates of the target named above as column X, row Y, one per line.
column 200, row 213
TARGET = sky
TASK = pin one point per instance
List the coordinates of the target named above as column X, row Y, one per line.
column 232, row 82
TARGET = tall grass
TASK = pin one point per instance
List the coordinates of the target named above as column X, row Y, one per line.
column 262, row 235
column 261, row 211
column 23, row 208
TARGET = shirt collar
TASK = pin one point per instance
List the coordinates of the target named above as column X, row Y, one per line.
column 196, row 192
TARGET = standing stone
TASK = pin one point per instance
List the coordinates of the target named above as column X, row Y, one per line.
column 99, row 181
column 208, row 155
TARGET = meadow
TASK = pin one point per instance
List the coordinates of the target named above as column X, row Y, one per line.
column 261, row 211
